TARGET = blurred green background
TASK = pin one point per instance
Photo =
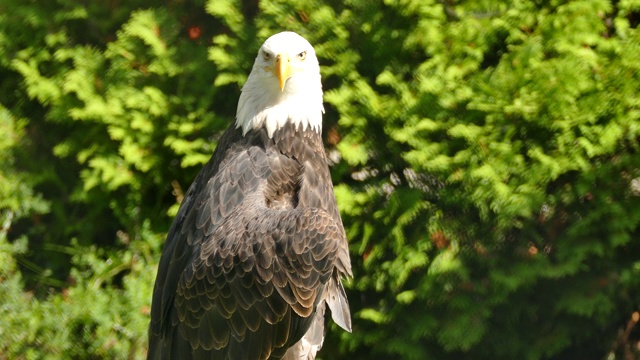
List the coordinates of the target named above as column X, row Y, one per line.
column 485, row 155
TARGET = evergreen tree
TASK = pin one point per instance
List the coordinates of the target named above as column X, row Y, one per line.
column 485, row 155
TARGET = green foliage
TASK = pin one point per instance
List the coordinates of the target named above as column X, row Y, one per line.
column 486, row 162
column 103, row 314
column 16, row 195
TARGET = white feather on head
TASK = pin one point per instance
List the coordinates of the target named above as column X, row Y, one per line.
column 262, row 101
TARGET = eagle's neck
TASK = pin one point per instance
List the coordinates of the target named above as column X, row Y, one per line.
column 262, row 104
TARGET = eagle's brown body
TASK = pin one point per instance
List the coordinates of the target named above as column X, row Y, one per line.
column 254, row 253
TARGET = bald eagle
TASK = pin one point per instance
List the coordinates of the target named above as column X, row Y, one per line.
column 257, row 249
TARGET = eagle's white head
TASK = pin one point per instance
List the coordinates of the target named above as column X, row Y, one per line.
column 284, row 86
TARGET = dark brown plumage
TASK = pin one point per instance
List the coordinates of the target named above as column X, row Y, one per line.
column 255, row 252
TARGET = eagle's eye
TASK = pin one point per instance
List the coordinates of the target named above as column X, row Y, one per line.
column 266, row 55
column 302, row 55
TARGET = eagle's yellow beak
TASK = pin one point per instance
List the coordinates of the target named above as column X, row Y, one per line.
column 283, row 69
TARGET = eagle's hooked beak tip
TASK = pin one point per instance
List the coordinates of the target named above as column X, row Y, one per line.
column 283, row 69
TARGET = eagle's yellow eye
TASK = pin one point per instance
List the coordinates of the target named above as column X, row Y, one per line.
column 302, row 55
column 266, row 55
